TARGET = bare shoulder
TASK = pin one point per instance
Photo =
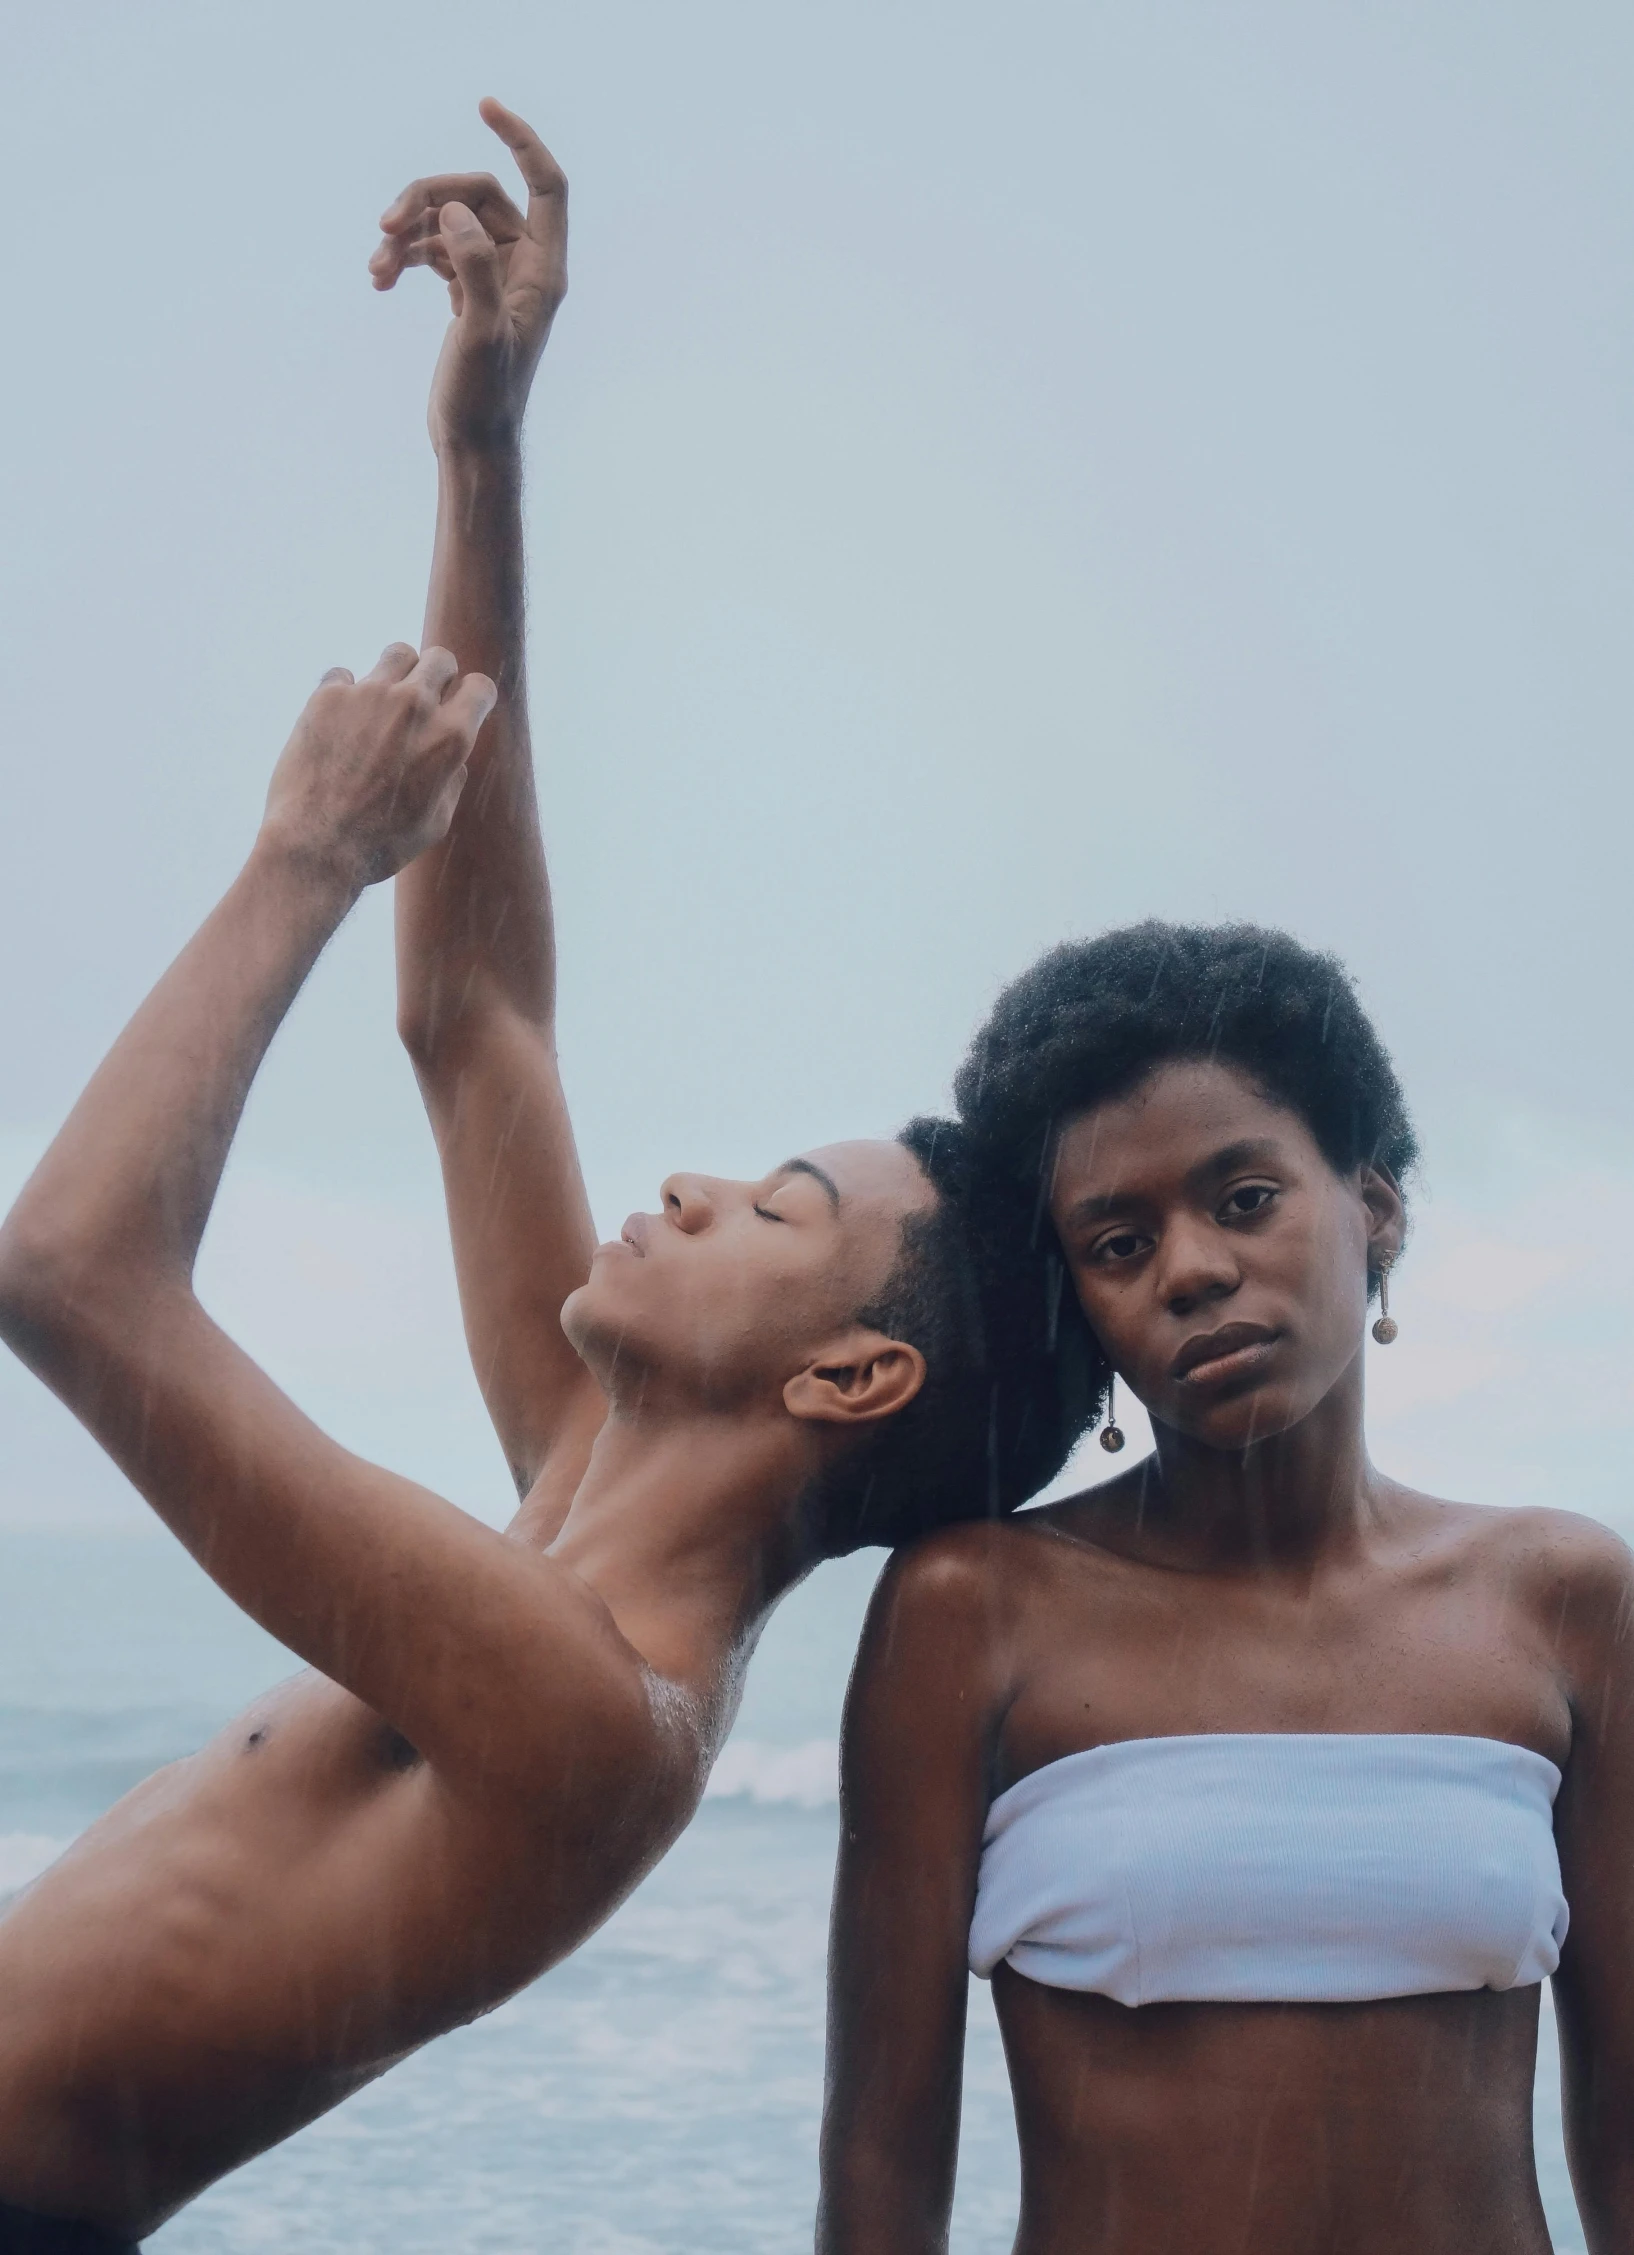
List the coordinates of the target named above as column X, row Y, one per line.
column 946, row 1606
column 1579, row 1576
column 1572, row 1574
column 1555, row 1553
column 958, row 1565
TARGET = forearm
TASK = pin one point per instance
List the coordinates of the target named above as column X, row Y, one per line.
column 870, row 2205
column 473, row 915
column 122, row 1196
column 890, row 2134
column 1598, row 2094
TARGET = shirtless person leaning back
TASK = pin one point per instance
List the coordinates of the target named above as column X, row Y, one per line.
column 501, row 1732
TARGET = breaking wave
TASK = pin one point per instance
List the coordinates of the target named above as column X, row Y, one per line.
column 799, row 1777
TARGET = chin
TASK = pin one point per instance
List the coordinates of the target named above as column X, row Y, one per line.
column 578, row 1316
column 1238, row 1421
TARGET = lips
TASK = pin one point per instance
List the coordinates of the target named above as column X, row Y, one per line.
column 634, row 1234
column 1215, row 1357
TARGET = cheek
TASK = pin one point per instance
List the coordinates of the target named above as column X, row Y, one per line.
column 1118, row 1312
column 1324, row 1271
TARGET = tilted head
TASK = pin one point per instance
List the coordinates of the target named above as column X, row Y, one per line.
column 1201, row 1127
column 842, row 1291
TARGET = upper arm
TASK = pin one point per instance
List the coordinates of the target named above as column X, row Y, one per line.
column 521, row 1228
column 498, row 1665
column 920, row 1716
column 1594, row 1828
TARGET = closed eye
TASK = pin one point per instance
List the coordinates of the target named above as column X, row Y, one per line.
column 766, row 1214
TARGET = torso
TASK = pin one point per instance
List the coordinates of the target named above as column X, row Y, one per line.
column 260, row 1928
column 1274, row 2126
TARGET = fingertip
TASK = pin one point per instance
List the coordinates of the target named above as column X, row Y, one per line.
column 457, row 218
column 337, row 674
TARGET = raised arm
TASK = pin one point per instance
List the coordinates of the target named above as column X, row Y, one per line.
column 476, row 949
column 456, row 1635
column 913, row 1800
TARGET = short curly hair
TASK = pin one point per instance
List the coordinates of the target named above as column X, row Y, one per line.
column 1092, row 1018
column 1004, row 1400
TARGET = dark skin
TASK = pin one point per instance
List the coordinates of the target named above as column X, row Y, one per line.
column 1257, row 1573
column 500, row 1733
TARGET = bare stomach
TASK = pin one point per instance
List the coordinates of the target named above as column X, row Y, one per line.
column 1276, row 2129
column 251, row 1935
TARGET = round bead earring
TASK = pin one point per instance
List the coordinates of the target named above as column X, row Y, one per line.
column 1111, row 1431
column 1384, row 1330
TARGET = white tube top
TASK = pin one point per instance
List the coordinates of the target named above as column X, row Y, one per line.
column 1275, row 1868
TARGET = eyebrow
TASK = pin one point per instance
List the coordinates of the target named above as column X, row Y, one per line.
column 1250, row 1151
column 809, row 1166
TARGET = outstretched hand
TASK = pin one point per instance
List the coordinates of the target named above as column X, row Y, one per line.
column 506, row 274
column 373, row 772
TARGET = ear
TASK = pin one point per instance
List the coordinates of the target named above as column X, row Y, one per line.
column 858, row 1379
column 1386, row 1216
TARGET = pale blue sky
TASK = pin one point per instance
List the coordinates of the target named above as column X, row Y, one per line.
column 998, row 472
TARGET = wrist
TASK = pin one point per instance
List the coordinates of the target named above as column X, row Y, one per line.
column 323, row 873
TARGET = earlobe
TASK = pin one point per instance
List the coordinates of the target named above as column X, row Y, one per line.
column 856, row 1382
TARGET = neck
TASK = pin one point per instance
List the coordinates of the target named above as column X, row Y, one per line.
column 688, row 1530
column 1278, row 1502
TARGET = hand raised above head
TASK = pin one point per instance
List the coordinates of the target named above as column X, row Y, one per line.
column 506, row 273
column 374, row 769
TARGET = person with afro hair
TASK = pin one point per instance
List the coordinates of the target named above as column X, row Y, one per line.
column 1267, row 1790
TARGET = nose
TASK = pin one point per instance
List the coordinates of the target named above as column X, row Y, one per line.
column 687, row 1203
column 1197, row 1265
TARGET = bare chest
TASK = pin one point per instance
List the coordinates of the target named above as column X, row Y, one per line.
column 1133, row 1652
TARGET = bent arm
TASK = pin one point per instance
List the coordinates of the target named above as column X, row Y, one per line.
column 431, row 1618
column 913, row 1801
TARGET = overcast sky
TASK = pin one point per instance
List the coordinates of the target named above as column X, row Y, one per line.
column 999, row 472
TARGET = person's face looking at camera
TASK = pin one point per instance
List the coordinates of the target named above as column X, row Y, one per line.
column 738, row 1295
column 1220, row 1258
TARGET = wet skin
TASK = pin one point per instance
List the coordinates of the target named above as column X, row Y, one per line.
column 257, row 1929
column 502, row 1732
column 1255, row 1574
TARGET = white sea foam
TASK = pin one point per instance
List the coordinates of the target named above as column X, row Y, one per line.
column 23, row 1856
column 801, row 1777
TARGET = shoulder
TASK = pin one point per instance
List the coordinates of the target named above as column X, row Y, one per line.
column 963, row 1577
column 1555, row 1555
column 1573, row 1576
column 942, row 1616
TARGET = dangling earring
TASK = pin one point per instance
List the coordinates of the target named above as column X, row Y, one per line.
column 1111, row 1431
column 1384, row 1330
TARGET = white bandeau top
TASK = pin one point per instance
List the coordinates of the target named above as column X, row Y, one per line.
column 1275, row 1868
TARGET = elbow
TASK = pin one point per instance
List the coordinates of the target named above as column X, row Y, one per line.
column 435, row 1026
column 416, row 1029
column 448, row 1035
column 65, row 1286
column 43, row 1264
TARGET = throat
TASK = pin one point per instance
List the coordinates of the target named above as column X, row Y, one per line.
column 689, row 1532
column 1282, row 1503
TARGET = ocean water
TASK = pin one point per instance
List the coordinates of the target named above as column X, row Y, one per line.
column 658, row 2092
